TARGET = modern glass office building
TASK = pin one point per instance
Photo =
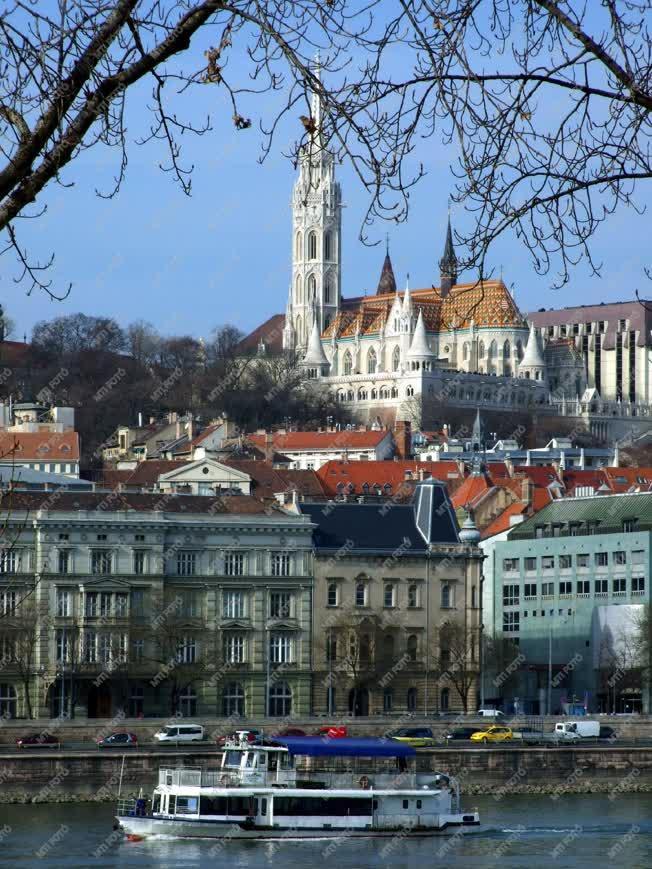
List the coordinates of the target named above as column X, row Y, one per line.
column 570, row 590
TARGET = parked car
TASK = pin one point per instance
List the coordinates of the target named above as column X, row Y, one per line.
column 607, row 732
column 462, row 733
column 37, row 740
column 121, row 738
column 332, row 731
column 490, row 713
column 290, row 731
column 492, row 734
column 252, row 734
column 180, row 733
column 417, row 737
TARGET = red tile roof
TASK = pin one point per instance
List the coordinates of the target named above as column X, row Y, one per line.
column 471, row 489
column 270, row 333
column 621, row 480
column 541, row 475
column 269, row 481
column 42, row 446
column 110, row 502
column 503, row 522
column 321, row 440
column 144, row 474
column 346, row 474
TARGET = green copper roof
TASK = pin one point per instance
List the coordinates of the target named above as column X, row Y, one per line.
column 608, row 511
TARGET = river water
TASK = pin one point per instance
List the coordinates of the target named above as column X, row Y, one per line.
column 522, row 832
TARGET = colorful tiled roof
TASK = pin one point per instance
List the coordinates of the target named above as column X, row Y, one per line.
column 487, row 303
column 390, row 477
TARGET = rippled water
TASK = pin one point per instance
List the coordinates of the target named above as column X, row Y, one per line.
column 523, row 832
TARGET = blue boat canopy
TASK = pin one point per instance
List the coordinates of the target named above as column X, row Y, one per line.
column 324, row 746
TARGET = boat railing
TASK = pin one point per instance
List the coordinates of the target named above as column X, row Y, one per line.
column 127, row 806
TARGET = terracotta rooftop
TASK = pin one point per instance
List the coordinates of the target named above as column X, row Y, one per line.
column 337, row 477
column 321, row 440
column 503, row 522
column 270, row 333
column 111, row 502
column 39, row 446
column 269, row 481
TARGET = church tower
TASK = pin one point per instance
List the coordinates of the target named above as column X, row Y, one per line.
column 316, row 238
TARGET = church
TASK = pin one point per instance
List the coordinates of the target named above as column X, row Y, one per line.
column 454, row 342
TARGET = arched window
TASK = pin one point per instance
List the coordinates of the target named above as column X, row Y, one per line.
column 444, row 700
column 330, row 699
column 347, row 363
column 507, row 350
column 312, row 288
column 365, row 488
column 188, row 703
column 394, row 391
column 233, row 699
column 7, row 700
column 445, row 595
column 374, row 394
column 312, row 245
column 388, row 700
column 297, row 290
column 396, row 359
column 409, row 391
column 328, row 246
column 371, row 361
column 481, row 350
column 412, row 645
column 362, row 395
column 493, row 350
column 388, row 647
column 298, row 253
column 328, row 292
column 412, row 699
column 413, row 595
column 465, row 351
column 298, row 328
column 280, row 699
column 519, row 350
column 361, row 594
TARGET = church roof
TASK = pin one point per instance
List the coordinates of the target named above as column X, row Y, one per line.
column 486, row 303
column 387, row 282
column 270, row 333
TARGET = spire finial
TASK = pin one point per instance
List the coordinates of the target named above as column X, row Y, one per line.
column 387, row 243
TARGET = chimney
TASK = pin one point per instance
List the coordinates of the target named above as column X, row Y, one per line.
column 403, row 438
column 190, row 427
column 461, row 467
column 527, row 489
column 422, row 475
column 509, row 464
column 269, row 447
column 178, row 431
column 140, row 419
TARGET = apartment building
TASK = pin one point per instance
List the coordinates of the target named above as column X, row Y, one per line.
column 153, row 604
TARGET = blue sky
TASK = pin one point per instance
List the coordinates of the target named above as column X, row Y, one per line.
column 223, row 255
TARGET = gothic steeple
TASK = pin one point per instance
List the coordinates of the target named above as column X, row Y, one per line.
column 387, row 282
column 448, row 263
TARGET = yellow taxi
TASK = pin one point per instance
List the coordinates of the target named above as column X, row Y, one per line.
column 492, row 734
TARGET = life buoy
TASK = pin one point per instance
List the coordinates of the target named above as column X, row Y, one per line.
column 364, row 783
column 225, row 780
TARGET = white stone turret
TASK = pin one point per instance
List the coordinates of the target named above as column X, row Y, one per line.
column 315, row 358
column 420, row 355
column 533, row 365
column 316, row 235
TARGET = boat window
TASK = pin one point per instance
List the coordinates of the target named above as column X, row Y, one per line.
column 261, row 760
column 375, row 804
column 273, row 762
column 171, row 803
column 406, row 803
column 213, row 805
column 156, row 806
column 418, row 804
column 232, row 758
column 287, row 761
column 238, row 806
column 320, row 806
column 186, row 805
column 263, row 806
column 249, row 759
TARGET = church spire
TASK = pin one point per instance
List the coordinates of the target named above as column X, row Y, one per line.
column 387, row 282
column 448, row 263
column 315, row 105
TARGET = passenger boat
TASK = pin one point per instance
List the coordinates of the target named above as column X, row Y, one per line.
column 301, row 787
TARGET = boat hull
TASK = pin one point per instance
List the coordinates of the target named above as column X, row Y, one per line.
column 182, row 829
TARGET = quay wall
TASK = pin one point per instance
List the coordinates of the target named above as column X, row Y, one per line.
column 67, row 776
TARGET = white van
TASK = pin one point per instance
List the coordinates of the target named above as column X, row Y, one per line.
column 180, row 733
column 491, row 713
column 578, row 729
